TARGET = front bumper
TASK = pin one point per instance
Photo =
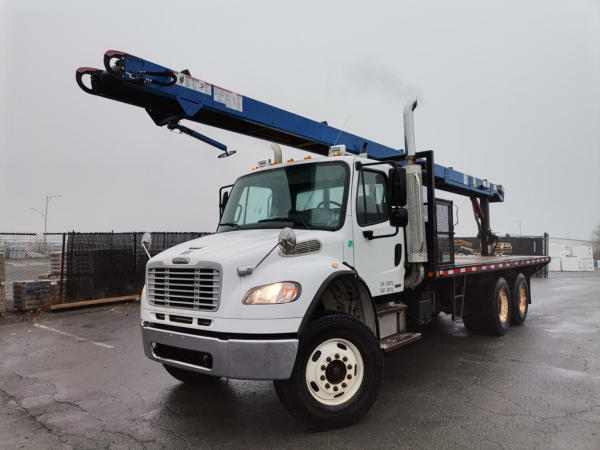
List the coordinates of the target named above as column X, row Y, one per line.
column 246, row 359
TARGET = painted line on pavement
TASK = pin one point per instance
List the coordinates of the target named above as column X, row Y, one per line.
column 78, row 338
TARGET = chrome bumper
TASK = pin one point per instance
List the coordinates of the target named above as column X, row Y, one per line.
column 246, row 359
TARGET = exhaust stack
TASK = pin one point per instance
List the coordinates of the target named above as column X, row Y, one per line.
column 409, row 127
column 416, row 244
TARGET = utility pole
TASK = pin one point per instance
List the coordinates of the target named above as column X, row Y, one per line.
column 45, row 216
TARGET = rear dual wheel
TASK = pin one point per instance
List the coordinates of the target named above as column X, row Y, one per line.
column 521, row 300
column 489, row 311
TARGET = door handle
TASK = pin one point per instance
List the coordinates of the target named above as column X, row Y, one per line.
column 397, row 254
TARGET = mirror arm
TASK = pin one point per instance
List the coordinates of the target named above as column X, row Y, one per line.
column 146, row 249
column 369, row 234
column 244, row 271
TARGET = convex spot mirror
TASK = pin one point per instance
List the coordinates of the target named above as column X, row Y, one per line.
column 397, row 187
column 287, row 240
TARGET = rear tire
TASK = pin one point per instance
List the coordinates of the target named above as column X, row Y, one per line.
column 521, row 300
column 499, row 308
column 189, row 376
column 337, row 374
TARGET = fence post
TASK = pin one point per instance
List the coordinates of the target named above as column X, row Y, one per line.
column 62, row 268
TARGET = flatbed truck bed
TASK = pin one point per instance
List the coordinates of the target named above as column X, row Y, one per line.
column 476, row 263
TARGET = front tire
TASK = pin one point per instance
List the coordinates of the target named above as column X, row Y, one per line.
column 337, row 375
column 189, row 376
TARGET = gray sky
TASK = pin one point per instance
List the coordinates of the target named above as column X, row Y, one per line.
column 509, row 91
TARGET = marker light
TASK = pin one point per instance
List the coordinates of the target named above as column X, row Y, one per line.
column 307, row 157
column 271, row 294
column 290, row 160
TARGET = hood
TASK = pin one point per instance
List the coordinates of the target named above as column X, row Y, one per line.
column 243, row 247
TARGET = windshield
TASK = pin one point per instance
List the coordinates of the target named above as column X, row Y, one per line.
column 311, row 196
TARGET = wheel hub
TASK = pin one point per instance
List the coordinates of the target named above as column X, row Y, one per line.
column 503, row 306
column 334, row 372
column 522, row 299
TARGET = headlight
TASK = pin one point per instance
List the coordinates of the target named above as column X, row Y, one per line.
column 283, row 292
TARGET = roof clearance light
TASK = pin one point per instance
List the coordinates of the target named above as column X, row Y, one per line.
column 254, row 168
column 290, row 160
column 263, row 163
column 273, row 163
column 307, row 157
column 337, row 150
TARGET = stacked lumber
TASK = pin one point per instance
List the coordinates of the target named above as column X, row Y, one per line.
column 462, row 243
column 503, row 248
column 28, row 295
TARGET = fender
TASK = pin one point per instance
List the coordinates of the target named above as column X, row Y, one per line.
column 314, row 304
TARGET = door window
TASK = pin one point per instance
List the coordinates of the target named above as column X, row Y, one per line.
column 371, row 199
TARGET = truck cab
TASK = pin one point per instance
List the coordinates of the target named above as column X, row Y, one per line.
column 225, row 305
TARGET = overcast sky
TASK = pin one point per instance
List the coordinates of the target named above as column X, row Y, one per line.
column 509, row 91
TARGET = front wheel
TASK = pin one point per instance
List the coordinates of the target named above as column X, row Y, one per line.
column 337, row 375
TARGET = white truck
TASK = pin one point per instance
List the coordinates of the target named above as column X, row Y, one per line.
column 318, row 266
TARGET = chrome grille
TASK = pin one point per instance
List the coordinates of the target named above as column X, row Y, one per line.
column 185, row 287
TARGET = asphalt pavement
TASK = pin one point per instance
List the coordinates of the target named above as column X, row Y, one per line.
column 79, row 379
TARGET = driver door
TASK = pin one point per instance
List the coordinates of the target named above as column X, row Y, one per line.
column 379, row 261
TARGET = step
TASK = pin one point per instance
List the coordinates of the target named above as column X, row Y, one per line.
column 386, row 308
column 398, row 340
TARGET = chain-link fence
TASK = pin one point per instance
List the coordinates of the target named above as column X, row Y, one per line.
column 37, row 271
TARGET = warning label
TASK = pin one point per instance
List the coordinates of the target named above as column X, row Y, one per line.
column 229, row 99
column 193, row 83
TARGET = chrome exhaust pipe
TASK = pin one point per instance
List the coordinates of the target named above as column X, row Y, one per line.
column 409, row 128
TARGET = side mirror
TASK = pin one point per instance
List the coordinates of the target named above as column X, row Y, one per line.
column 147, row 242
column 399, row 217
column 287, row 240
column 397, row 187
column 224, row 199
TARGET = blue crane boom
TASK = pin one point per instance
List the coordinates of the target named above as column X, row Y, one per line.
column 170, row 96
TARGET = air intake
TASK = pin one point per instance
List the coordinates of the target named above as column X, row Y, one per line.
column 303, row 248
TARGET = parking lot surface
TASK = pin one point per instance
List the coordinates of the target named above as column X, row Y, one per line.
column 79, row 379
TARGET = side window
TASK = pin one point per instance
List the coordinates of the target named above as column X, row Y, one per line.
column 255, row 204
column 371, row 199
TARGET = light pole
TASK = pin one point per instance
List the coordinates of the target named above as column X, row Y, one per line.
column 45, row 215
column 519, row 222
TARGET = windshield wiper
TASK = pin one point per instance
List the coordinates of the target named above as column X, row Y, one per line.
column 227, row 224
column 293, row 220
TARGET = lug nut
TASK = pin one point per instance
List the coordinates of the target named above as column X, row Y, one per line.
column 344, row 385
column 322, row 377
column 345, row 358
column 349, row 366
column 335, row 388
column 349, row 377
column 323, row 367
column 337, row 356
column 327, row 386
column 328, row 359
